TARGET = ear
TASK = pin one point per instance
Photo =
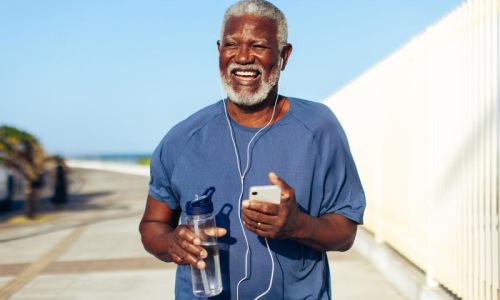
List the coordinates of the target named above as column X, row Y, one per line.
column 285, row 54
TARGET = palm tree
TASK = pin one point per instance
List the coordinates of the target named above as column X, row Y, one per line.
column 21, row 152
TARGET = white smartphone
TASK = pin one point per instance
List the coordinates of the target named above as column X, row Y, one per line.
column 267, row 193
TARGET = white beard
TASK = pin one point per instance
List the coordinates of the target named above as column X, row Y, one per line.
column 247, row 98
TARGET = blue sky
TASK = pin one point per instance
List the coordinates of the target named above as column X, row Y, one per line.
column 94, row 76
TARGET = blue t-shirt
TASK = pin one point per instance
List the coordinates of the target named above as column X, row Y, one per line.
column 307, row 148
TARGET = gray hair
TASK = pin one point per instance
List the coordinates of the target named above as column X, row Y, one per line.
column 259, row 8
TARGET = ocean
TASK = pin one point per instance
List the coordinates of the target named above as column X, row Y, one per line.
column 130, row 158
column 136, row 164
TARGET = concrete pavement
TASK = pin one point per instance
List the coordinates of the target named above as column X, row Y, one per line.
column 91, row 249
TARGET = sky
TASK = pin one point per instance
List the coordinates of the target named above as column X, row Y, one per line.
column 113, row 76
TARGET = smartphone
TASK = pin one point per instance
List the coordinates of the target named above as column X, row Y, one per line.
column 267, row 193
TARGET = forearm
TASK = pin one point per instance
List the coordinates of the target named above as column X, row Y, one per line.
column 330, row 232
column 155, row 237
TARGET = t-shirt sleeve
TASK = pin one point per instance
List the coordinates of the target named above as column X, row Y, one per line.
column 160, row 186
column 343, row 192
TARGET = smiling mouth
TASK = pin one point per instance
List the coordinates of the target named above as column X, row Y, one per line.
column 246, row 73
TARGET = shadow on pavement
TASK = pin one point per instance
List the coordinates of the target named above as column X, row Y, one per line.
column 76, row 202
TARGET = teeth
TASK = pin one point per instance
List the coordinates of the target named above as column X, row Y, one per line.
column 246, row 73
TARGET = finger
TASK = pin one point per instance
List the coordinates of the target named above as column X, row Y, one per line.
column 260, row 206
column 274, row 179
column 258, row 225
column 247, row 221
column 216, row 231
column 255, row 223
column 285, row 188
column 188, row 245
column 254, row 226
column 177, row 259
column 252, row 217
column 190, row 248
column 262, row 229
column 186, row 234
column 197, row 263
column 183, row 257
column 250, row 224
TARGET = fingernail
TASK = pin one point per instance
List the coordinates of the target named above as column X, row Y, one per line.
column 273, row 175
column 200, row 265
column 245, row 203
column 203, row 254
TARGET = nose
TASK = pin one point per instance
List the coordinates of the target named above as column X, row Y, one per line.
column 244, row 55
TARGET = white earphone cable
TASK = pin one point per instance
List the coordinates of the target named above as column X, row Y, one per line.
column 242, row 179
column 272, row 271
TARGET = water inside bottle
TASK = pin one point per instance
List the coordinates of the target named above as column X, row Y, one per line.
column 208, row 282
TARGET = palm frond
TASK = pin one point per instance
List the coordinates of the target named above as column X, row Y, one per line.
column 21, row 152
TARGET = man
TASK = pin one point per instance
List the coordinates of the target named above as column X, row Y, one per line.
column 256, row 137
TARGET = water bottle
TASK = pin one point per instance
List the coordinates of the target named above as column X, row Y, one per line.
column 200, row 218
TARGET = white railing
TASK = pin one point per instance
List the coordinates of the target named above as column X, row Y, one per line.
column 424, row 129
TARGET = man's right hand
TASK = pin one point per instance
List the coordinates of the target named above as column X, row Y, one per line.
column 184, row 246
column 164, row 238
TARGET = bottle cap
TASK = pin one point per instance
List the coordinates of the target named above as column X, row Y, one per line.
column 201, row 205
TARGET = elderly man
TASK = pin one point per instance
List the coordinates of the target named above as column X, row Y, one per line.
column 256, row 137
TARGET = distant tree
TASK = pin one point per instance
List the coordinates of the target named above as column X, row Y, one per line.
column 21, row 152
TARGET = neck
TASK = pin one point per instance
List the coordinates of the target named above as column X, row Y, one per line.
column 259, row 115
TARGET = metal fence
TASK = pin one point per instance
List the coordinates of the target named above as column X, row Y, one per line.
column 424, row 129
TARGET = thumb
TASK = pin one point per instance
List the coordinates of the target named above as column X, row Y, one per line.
column 286, row 190
column 275, row 180
column 216, row 231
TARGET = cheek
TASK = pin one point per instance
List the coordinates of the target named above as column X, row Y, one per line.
column 268, row 72
column 225, row 57
column 271, row 65
column 222, row 69
column 223, row 64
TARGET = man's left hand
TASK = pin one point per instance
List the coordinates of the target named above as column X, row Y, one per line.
column 277, row 221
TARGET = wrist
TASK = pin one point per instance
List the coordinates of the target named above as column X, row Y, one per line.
column 301, row 226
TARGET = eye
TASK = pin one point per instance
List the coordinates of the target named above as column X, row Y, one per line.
column 230, row 45
column 259, row 47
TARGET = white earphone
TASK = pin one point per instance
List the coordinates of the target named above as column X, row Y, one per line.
column 242, row 179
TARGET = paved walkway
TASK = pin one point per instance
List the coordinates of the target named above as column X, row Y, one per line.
column 91, row 249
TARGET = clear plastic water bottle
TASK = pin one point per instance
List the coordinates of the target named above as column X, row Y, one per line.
column 199, row 216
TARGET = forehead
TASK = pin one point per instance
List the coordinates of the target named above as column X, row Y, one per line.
column 249, row 26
